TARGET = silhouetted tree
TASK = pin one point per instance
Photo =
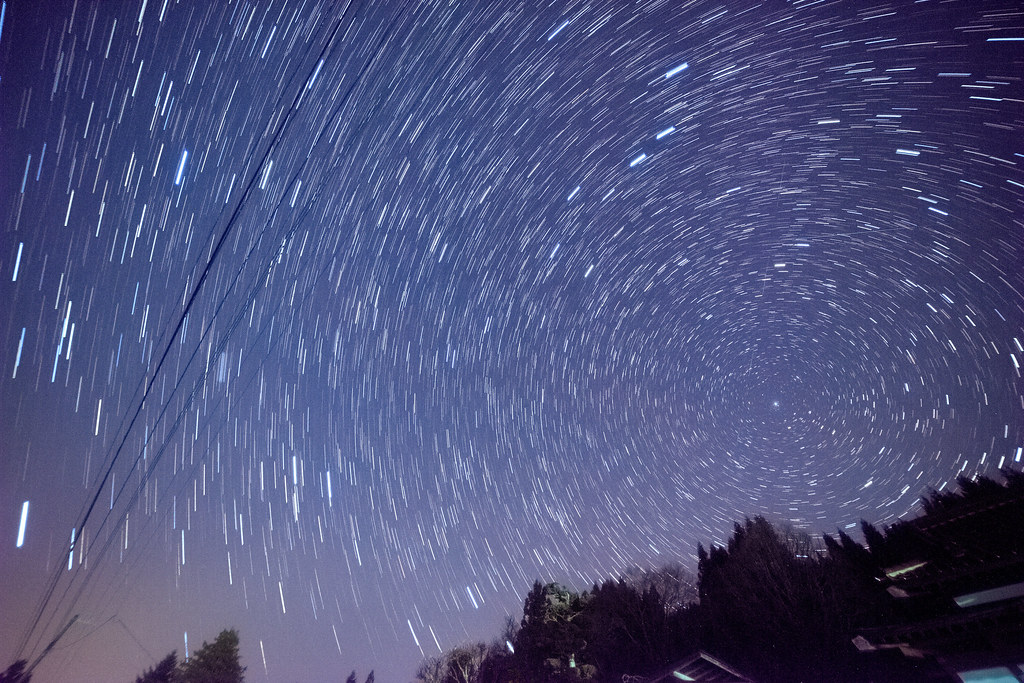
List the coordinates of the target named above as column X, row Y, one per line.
column 773, row 602
column 676, row 584
column 15, row 673
column 216, row 662
column 351, row 677
column 499, row 665
column 431, row 670
column 973, row 491
column 551, row 637
column 627, row 631
column 1014, row 479
column 163, row 672
column 463, row 663
column 876, row 543
column 771, row 613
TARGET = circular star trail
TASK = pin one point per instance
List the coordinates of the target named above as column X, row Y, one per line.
column 341, row 323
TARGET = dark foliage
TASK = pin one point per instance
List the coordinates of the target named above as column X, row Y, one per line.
column 353, row 679
column 15, row 673
column 551, row 634
column 163, row 672
column 216, row 662
column 772, row 603
column 782, row 616
column 974, row 492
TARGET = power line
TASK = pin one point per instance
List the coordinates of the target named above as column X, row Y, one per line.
column 282, row 126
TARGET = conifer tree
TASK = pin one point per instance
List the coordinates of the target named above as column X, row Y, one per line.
column 163, row 672
column 216, row 662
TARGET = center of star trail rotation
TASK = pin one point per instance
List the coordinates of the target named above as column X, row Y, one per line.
column 340, row 324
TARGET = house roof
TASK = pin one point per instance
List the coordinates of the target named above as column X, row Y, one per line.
column 700, row 666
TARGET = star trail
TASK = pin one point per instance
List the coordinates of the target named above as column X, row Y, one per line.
column 340, row 323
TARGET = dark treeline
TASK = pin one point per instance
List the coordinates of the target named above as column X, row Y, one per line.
column 216, row 662
column 772, row 603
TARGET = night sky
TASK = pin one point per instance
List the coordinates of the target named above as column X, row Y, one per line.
column 341, row 324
